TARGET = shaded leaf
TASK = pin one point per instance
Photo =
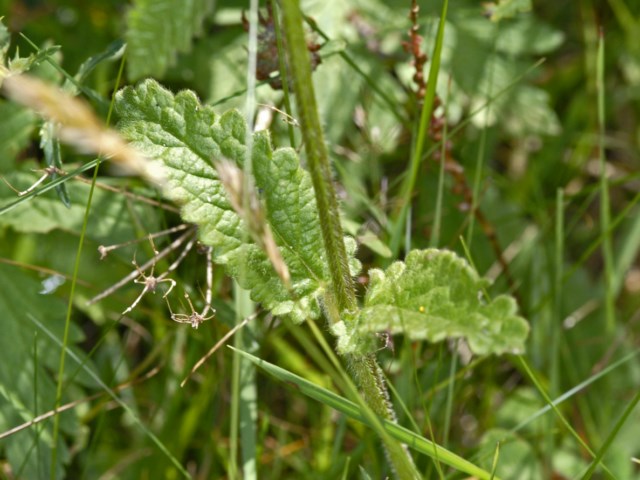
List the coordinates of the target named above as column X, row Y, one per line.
column 158, row 30
column 540, row 119
column 528, row 36
column 26, row 387
column 110, row 216
column 16, row 125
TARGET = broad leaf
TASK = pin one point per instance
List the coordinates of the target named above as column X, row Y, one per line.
column 158, row 30
column 487, row 58
column 435, row 295
column 188, row 138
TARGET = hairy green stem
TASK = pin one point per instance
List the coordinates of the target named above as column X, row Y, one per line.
column 342, row 299
column 317, row 157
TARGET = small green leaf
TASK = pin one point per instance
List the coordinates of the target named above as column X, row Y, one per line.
column 506, row 9
column 158, row 30
column 188, row 138
column 435, row 295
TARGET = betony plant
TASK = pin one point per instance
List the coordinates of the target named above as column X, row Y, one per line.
column 432, row 295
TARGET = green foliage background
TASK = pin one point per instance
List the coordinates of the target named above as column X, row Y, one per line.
column 537, row 134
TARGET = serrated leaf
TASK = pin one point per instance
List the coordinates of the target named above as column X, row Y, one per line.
column 158, row 30
column 21, row 399
column 187, row 138
column 435, row 295
column 18, row 64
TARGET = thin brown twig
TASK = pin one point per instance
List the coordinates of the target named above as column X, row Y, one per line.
column 133, row 196
column 49, row 171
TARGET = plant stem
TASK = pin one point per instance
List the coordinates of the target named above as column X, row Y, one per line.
column 317, row 157
column 342, row 299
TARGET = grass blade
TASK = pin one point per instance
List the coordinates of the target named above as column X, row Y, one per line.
column 352, row 410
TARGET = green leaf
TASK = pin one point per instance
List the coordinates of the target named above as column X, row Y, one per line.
column 188, row 138
column 540, row 118
column 435, row 295
column 158, row 30
column 19, row 64
column 16, row 126
column 109, row 220
column 528, row 36
column 51, row 148
column 506, row 9
column 517, row 457
column 5, row 40
column 111, row 53
column 26, row 387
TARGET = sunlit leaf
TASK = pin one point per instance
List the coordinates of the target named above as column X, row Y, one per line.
column 506, row 8
column 188, row 138
column 435, row 295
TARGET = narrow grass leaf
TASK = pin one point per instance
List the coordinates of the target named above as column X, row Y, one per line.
column 352, row 410
column 612, row 436
column 84, row 365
